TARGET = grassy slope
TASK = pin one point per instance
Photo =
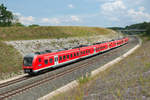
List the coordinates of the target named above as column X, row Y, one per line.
column 129, row 79
column 10, row 58
column 26, row 33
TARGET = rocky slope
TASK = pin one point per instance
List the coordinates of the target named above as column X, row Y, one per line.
column 28, row 46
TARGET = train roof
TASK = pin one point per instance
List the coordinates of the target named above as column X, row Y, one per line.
column 30, row 55
column 52, row 52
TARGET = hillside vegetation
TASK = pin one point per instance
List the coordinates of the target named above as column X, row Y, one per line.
column 11, row 60
column 28, row 33
column 143, row 25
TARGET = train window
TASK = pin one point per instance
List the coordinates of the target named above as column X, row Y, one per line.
column 39, row 59
column 83, row 52
column 74, row 54
column 60, row 58
column 77, row 53
column 67, row 56
column 64, row 57
column 89, row 51
column 71, row 55
column 46, row 61
column 51, row 60
column 86, row 51
column 103, row 47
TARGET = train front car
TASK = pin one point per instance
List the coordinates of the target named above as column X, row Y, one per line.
column 28, row 63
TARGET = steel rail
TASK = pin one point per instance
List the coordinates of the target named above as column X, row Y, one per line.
column 13, row 92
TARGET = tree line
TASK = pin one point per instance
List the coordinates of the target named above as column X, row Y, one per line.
column 7, row 18
column 144, row 25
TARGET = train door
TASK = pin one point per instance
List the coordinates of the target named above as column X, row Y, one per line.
column 56, row 59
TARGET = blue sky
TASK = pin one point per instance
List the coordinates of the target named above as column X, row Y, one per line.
column 101, row 13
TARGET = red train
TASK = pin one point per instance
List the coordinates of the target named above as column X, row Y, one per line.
column 38, row 61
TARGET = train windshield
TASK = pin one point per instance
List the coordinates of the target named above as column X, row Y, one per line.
column 28, row 61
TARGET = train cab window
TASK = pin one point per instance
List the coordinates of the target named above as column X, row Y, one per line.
column 28, row 61
column 39, row 59
column 71, row 55
column 67, row 56
column 64, row 57
column 60, row 58
column 46, row 61
column 51, row 60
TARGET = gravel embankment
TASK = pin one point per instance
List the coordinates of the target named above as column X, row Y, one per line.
column 28, row 46
column 45, row 88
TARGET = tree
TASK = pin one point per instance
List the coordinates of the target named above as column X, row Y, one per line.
column 6, row 17
column 34, row 25
column 18, row 24
column 148, row 30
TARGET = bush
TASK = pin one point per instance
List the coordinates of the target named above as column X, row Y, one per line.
column 34, row 25
column 18, row 24
column 148, row 30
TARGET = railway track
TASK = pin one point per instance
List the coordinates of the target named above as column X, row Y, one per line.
column 46, row 79
column 20, row 89
column 2, row 85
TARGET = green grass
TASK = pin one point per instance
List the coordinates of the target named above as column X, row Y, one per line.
column 84, row 79
column 45, row 32
column 11, row 60
column 129, row 79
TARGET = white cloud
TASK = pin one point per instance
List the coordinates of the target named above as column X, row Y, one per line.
column 61, row 20
column 25, row 20
column 17, row 14
column 113, row 10
column 75, row 18
column 139, row 16
column 45, row 20
column 111, row 7
column 114, row 19
column 141, row 9
column 51, row 20
column 70, row 6
column 138, row 1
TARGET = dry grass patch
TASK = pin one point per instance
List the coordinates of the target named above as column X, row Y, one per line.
column 45, row 32
column 11, row 60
